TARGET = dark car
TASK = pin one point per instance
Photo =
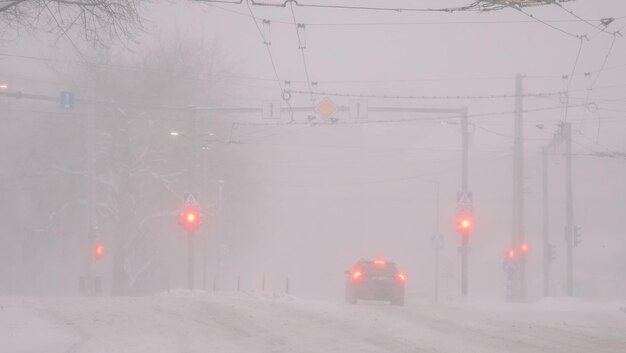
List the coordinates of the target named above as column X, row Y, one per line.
column 375, row 280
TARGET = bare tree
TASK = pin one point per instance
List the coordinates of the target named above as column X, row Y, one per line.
column 95, row 21
column 142, row 173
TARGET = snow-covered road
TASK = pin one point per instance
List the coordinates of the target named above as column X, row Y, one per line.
column 239, row 322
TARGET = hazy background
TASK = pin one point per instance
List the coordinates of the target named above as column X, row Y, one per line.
column 305, row 202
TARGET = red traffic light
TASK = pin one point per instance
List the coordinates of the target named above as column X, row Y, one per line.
column 524, row 248
column 510, row 254
column 98, row 251
column 190, row 219
column 464, row 224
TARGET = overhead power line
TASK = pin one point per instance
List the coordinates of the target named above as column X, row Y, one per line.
column 601, row 27
column 457, row 97
column 470, row 7
column 301, row 47
column 409, row 23
column 266, row 43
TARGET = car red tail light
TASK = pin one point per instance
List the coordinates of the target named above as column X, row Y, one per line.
column 401, row 277
column 357, row 275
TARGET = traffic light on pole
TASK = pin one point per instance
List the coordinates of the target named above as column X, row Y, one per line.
column 190, row 219
column 523, row 249
column 464, row 224
column 510, row 255
column 98, row 251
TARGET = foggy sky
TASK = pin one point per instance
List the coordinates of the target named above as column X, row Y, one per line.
column 306, row 203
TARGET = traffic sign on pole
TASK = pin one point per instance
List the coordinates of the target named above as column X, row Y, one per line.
column 436, row 241
column 358, row 109
column 464, row 199
column 66, row 100
column 326, row 108
column 190, row 199
column 271, row 109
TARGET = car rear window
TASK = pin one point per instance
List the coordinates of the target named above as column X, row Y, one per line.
column 388, row 269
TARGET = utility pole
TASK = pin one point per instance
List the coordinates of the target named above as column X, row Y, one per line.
column 464, row 190
column 518, row 185
column 569, row 209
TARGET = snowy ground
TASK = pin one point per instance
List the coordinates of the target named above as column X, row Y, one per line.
column 239, row 322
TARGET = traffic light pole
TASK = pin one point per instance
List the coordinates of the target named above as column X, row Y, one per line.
column 190, row 259
column 546, row 222
column 464, row 189
column 569, row 209
column 518, row 186
column 91, row 222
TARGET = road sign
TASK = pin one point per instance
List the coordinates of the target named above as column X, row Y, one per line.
column 66, row 100
column 509, row 266
column 464, row 199
column 326, row 108
column 436, row 241
column 358, row 109
column 190, row 198
column 271, row 109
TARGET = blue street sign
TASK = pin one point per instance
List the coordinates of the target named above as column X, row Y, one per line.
column 66, row 100
column 509, row 267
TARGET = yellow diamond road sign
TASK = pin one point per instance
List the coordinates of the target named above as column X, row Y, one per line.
column 326, row 108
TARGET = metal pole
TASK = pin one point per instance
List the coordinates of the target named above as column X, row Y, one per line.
column 546, row 222
column 91, row 146
column 518, row 185
column 437, row 248
column 569, row 209
column 190, row 260
column 195, row 144
column 465, row 239
column 436, row 275
column 218, row 234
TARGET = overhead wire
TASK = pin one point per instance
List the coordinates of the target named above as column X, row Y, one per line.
column 472, row 7
column 570, row 78
column 493, row 132
column 301, row 47
column 271, row 57
column 570, row 34
column 598, row 27
column 439, row 118
column 413, row 97
column 420, row 23
column 593, row 84
column 266, row 43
